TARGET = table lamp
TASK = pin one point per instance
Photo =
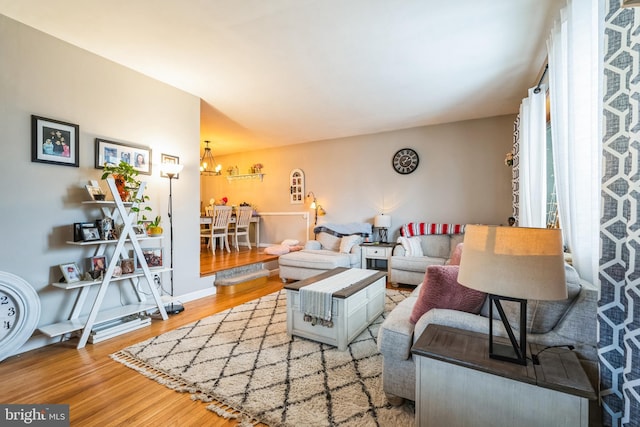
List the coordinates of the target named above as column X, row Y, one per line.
column 382, row 222
column 513, row 264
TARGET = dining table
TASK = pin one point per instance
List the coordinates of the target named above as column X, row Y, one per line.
column 255, row 220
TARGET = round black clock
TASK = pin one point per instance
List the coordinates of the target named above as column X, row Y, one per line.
column 19, row 313
column 405, row 161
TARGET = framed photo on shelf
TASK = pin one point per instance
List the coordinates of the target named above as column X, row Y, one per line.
column 139, row 230
column 95, row 192
column 113, row 152
column 70, row 272
column 153, row 256
column 77, row 230
column 106, row 229
column 127, row 266
column 54, row 142
column 90, row 234
column 167, row 158
column 97, row 265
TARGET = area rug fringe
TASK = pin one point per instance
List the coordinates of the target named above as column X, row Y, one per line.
column 218, row 406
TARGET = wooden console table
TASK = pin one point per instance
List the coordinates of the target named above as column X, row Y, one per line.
column 458, row 384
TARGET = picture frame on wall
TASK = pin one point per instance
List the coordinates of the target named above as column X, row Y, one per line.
column 167, row 158
column 55, row 142
column 112, row 152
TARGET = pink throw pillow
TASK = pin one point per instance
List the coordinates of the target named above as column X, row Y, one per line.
column 277, row 250
column 440, row 289
column 456, row 255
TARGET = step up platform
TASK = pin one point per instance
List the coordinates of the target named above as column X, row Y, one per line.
column 234, row 281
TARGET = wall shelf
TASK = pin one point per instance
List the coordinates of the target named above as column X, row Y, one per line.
column 245, row 176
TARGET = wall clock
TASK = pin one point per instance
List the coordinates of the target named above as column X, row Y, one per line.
column 19, row 313
column 405, row 161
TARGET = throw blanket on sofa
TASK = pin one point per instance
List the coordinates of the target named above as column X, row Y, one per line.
column 340, row 230
column 423, row 228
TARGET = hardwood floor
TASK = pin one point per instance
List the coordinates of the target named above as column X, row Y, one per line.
column 211, row 262
column 102, row 392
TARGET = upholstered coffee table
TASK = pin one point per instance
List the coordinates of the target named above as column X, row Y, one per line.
column 354, row 307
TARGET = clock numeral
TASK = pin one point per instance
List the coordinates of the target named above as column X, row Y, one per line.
column 6, row 324
column 4, row 300
column 12, row 311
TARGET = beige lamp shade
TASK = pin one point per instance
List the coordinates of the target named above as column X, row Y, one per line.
column 516, row 262
column 382, row 221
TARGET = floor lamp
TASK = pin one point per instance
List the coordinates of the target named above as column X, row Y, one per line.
column 171, row 170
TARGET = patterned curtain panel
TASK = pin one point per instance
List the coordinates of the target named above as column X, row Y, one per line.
column 619, row 274
column 515, row 174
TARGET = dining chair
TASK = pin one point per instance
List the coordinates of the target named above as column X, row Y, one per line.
column 220, row 227
column 243, row 219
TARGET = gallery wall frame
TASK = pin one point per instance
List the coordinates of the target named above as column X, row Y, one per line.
column 113, row 152
column 168, row 158
column 55, row 142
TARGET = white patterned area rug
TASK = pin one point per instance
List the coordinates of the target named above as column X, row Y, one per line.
column 243, row 362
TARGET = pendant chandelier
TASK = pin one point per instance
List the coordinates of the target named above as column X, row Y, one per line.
column 208, row 164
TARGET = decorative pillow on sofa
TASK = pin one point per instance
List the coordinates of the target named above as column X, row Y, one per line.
column 277, row 250
column 411, row 246
column 348, row 242
column 440, row 289
column 456, row 255
column 329, row 241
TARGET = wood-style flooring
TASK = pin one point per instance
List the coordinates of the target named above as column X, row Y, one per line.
column 211, row 262
column 105, row 393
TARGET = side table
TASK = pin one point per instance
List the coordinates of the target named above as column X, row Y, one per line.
column 372, row 253
column 458, row 384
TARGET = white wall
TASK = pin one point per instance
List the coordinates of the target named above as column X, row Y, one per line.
column 461, row 177
column 43, row 76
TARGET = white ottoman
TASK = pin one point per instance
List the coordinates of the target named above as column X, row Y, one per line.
column 354, row 308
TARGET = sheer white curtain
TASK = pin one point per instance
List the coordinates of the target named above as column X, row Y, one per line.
column 533, row 160
column 574, row 91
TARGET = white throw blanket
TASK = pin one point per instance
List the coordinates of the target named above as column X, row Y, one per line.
column 316, row 299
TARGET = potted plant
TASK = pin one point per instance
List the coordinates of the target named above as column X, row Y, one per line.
column 153, row 228
column 125, row 177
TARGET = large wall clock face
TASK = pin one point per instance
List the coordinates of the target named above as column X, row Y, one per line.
column 405, row 161
column 19, row 313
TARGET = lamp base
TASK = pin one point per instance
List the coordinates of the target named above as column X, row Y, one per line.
column 517, row 351
column 383, row 235
column 174, row 308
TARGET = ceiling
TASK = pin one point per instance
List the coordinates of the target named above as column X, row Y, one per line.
column 278, row 72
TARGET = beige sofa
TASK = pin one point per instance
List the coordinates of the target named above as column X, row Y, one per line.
column 329, row 250
column 436, row 249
